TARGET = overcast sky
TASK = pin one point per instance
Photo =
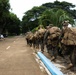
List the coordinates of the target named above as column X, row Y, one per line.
column 21, row 6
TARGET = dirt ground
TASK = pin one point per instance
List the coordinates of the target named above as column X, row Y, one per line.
column 16, row 58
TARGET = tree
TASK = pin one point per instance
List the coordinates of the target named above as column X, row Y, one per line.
column 4, row 12
column 31, row 18
column 13, row 26
column 47, row 13
column 55, row 17
column 66, row 6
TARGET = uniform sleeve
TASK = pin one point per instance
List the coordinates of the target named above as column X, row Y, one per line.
column 45, row 36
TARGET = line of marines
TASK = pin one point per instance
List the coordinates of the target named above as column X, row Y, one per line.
column 58, row 42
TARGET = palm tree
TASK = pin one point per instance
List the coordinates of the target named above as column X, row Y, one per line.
column 55, row 17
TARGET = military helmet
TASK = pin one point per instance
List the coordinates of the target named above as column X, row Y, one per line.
column 65, row 23
column 40, row 26
column 50, row 25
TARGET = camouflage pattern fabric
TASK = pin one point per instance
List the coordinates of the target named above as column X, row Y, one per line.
column 69, row 37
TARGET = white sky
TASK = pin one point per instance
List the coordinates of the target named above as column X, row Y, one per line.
column 21, row 6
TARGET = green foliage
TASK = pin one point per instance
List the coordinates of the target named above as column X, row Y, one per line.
column 31, row 18
column 66, row 6
column 4, row 12
column 35, row 29
column 48, row 13
column 55, row 17
column 13, row 26
column 9, row 23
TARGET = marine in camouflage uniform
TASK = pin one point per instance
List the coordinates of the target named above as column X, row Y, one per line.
column 47, row 40
column 29, row 38
column 68, row 51
column 41, row 33
column 52, row 40
column 35, row 40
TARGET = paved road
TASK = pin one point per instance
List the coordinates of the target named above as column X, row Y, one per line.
column 16, row 58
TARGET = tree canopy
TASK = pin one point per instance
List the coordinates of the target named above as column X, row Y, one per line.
column 55, row 17
column 13, row 25
column 4, row 11
column 62, row 5
column 8, row 21
column 47, row 13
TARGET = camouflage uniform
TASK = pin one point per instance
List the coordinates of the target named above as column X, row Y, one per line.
column 41, row 33
column 29, row 37
column 68, row 50
column 35, row 38
column 47, row 40
column 51, row 39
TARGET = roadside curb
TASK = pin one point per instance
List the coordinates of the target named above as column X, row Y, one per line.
column 48, row 64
